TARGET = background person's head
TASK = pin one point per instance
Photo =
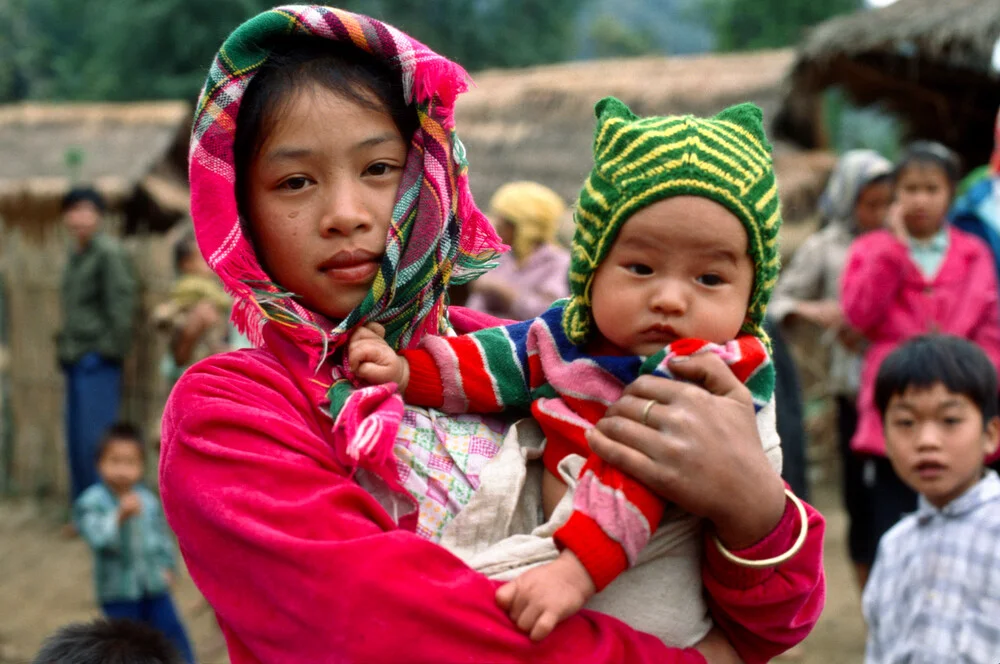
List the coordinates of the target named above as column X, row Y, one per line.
column 121, row 457
column 187, row 257
column 105, row 641
column 526, row 216
column 82, row 209
column 925, row 180
column 937, row 395
column 859, row 192
column 322, row 137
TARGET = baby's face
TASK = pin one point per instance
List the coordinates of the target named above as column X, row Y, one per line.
column 678, row 269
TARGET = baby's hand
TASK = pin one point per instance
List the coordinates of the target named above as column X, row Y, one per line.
column 542, row 597
column 373, row 360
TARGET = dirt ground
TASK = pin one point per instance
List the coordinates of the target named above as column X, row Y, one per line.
column 45, row 582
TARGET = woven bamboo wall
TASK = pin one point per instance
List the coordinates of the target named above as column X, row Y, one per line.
column 33, row 263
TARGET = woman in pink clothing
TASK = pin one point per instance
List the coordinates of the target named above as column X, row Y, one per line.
column 532, row 275
column 324, row 159
column 919, row 275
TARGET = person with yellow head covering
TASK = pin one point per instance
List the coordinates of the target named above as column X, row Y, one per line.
column 533, row 275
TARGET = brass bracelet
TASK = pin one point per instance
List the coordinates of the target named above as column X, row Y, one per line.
column 777, row 560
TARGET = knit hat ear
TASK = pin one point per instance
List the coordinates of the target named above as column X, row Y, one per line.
column 640, row 161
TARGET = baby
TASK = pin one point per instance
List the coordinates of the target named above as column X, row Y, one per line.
column 675, row 253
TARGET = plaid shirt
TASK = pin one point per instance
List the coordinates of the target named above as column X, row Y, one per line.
column 934, row 592
column 130, row 558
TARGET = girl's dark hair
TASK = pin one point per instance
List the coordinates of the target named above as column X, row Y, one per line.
column 924, row 361
column 292, row 65
column 929, row 153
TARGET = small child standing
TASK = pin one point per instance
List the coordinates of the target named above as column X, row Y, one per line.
column 675, row 253
column 134, row 556
column 934, row 591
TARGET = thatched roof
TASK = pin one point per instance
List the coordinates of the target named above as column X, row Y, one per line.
column 125, row 150
column 538, row 123
column 929, row 61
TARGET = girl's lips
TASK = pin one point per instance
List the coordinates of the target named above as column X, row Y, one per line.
column 930, row 470
column 355, row 273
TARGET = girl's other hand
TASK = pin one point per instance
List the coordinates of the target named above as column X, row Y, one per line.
column 895, row 223
column 825, row 313
column 717, row 649
column 698, row 447
column 373, row 360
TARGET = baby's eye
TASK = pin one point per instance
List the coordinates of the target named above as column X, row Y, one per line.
column 639, row 269
column 379, row 168
column 711, row 280
column 902, row 424
column 295, row 183
column 952, row 421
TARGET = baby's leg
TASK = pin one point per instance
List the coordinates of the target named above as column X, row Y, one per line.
column 717, row 649
column 553, row 490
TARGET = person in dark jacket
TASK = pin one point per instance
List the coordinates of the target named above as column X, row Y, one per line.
column 98, row 300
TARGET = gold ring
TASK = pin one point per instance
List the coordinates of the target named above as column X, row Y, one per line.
column 645, row 411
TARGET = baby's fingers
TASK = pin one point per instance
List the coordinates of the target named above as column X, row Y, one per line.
column 544, row 625
column 505, row 596
column 529, row 617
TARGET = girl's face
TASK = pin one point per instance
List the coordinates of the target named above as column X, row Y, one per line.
column 924, row 194
column 872, row 206
column 679, row 268
column 321, row 193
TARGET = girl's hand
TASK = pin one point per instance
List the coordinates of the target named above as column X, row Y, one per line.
column 825, row 313
column 698, row 448
column 373, row 360
column 895, row 223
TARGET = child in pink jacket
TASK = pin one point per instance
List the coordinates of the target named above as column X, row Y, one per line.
column 329, row 190
column 920, row 275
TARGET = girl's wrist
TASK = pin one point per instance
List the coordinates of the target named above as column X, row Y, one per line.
column 753, row 517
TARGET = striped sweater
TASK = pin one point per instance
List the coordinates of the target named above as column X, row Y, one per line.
column 533, row 364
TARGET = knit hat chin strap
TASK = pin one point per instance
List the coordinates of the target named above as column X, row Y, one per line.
column 640, row 161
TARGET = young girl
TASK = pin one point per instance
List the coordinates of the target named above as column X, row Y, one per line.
column 919, row 275
column 855, row 202
column 324, row 159
column 680, row 255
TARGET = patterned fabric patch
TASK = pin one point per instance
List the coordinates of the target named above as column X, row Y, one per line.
column 439, row 460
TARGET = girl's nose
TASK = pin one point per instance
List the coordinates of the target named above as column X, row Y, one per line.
column 928, row 437
column 346, row 212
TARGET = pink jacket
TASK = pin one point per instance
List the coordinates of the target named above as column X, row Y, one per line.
column 885, row 296
column 542, row 279
column 301, row 564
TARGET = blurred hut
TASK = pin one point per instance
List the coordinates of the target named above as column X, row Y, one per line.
column 926, row 61
column 538, row 123
column 135, row 154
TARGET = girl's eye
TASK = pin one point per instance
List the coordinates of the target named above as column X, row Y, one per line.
column 710, row 280
column 952, row 421
column 903, row 424
column 378, row 169
column 639, row 269
column 295, row 183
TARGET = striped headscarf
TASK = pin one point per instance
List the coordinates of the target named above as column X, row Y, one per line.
column 855, row 170
column 437, row 235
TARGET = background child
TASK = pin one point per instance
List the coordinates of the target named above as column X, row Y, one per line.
column 854, row 202
column 676, row 246
column 918, row 276
column 106, row 641
column 934, row 592
column 134, row 558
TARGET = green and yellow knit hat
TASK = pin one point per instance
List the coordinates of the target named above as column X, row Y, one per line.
column 639, row 161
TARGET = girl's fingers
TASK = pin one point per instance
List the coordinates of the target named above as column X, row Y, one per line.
column 653, row 441
column 712, row 373
column 625, row 458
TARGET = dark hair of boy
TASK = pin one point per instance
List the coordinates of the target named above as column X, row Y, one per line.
column 924, row 361
column 122, row 432
column 105, row 641
column 930, row 153
column 81, row 194
column 184, row 248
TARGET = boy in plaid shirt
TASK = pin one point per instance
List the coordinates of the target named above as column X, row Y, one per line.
column 934, row 591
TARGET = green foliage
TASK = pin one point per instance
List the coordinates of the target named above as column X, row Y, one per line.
column 756, row 24
column 612, row 38
column 850, row 127
column 138, row 49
